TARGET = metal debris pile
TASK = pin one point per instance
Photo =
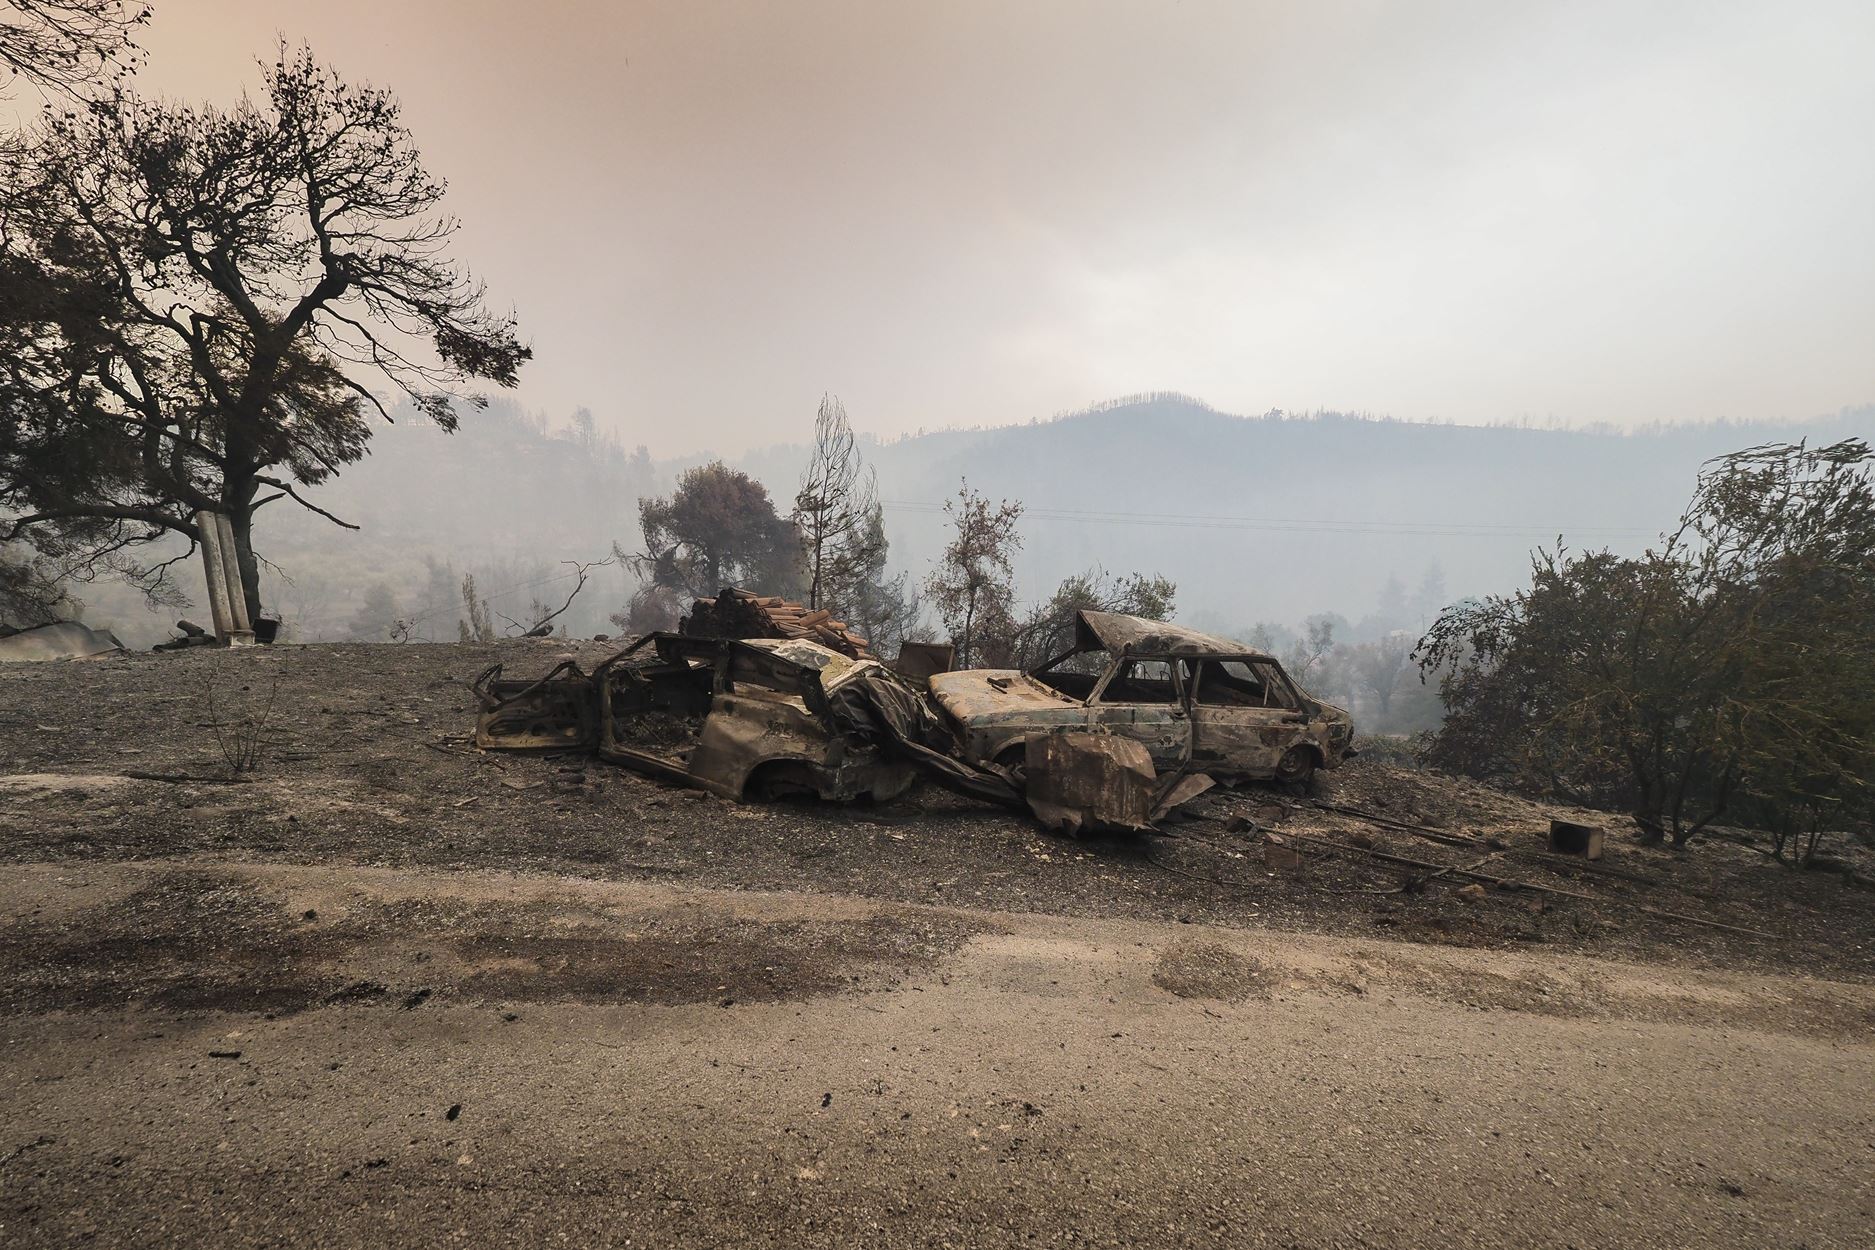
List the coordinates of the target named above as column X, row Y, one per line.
column 744, row 614
column 751, row 719
column 756, row 697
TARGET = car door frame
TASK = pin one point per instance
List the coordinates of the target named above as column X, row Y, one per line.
column 1237, row 740
column 1165, row 731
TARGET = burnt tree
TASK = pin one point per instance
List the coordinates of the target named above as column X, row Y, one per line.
column 718, row 528
column 68, row 46
column 837, row 499
column 973, row 585
column 199, row 308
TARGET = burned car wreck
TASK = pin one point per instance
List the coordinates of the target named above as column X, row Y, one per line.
column 1084, row 742
column 1195, row 702
column 740, row 718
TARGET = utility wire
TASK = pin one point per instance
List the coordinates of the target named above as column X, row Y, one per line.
column 1174, row 520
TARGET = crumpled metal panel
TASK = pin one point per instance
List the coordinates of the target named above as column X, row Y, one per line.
column 760, row 710
column 1089, row 781
column 1080, row 782
column 547, row 713
column 753, row 731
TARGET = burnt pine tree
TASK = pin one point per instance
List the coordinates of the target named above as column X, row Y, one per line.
column 199, row 308
column 833, row 510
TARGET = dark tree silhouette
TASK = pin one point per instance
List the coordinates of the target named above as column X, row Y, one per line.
column 1731, row 668
column 196, row 303
column 69, row 46
column 718, row 528
column 834, row 509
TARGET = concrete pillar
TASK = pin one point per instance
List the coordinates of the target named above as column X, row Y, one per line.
column 231, row 564
column 209, row 528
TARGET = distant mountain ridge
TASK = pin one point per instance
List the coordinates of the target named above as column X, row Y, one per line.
column 1307, row 513
column 1257, row 518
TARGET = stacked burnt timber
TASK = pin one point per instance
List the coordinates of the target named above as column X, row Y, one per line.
column 745, row 614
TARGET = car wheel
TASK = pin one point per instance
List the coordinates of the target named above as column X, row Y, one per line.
column 1296, row 766
column 1014, row 760
column 780, row 781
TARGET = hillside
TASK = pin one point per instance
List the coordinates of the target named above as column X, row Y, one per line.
column 1256, row 518
column 1323, row 509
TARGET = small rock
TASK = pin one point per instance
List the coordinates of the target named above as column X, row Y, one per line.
column 1471, row 893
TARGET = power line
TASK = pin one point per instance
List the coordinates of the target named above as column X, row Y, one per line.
column 1176, row 520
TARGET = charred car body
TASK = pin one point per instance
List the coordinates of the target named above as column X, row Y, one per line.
column 1195, row 702
column 1136, row 719
column 749, row 718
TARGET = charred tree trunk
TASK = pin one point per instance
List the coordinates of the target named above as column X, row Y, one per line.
column 241, row 521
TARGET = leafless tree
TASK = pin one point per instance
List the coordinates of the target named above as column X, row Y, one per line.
column 973, row 585
column 1379, row 665
column 69, row 46
column 1317, row 641
column 541, row 616
column 839, row 495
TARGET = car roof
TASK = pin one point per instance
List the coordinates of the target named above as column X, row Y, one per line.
column 1115, row 632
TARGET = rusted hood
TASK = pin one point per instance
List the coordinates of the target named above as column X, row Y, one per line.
column 1118, row 634
column 975, row 693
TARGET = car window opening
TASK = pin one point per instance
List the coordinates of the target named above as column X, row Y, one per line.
column 1074, row 674
column 1239, row 683
column 1142, row 681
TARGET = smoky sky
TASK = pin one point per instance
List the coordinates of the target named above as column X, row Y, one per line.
column 708, row 214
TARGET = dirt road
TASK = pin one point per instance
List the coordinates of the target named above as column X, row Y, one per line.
column 238, row 1053
column 384, row 989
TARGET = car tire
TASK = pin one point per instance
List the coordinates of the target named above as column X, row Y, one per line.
column 1296, row 766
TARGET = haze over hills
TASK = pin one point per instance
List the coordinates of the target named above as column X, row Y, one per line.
column 1265, row 518
column 1274, row 517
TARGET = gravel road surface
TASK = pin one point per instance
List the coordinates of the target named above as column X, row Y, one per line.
column 238, row 1054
